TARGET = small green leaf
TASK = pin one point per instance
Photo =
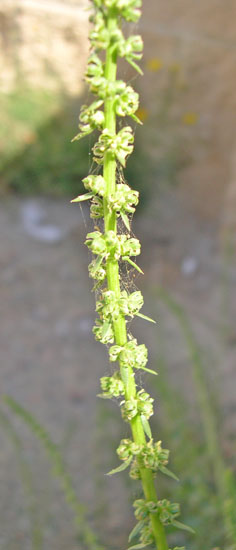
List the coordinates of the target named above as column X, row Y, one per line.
column 97, row 263
column 135, row 66
column 138, row 546
column 148, row 370
column 168, row 472
column 180, row 525
column 85, row 197
column 134, row 265
column 120, row 468
column 145, row 317
column 136, row 119
column 81, row 135
column 104, row 396
column 146, row 426
column 136, row 530
column 125, row 219
column 105, row 329
column 121, row 158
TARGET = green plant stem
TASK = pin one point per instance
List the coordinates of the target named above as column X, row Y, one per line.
column 59, row 470
column 113, row 283
column 205, row 403
column 27, row 482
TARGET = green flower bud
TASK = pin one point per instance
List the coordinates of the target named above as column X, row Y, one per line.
column 168, row 511
column 97, row 86
column 114, row 352
column 103, row 332
column 96, row 271
column 153, row 456
column 141, row 356
column 130, row 354
column 131, row 247
column 147, row 536
column 94, row 68
column 112, row 386
column 131, row 49
column 90, row 119
column 96, row 184
column 127, row 448
column 152, row 507
column 99, row 36
column 145, row 404
column 135, row 302
column 127, row 102
column 134, row 472
column 124, row 449
column 120, row 145
column 96, row 243
column 129, row 9
column 129, row 409
column 141, row 510
column 123, row 199
column 96, row 208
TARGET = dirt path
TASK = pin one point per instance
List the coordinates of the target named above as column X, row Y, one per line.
column 51, row 364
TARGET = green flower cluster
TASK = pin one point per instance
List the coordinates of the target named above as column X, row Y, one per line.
column 122, row 201
column 110, row 307
column 141, row 404
column 103, row 331
column 128, row 9
column 166, row 511
column 112, row 386
column 90, row 118
column 120, row 145
column 111, row 245
column 131, row 354
column 151, row 456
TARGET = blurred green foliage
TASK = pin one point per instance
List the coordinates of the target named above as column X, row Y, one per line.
column 207, row 490
column 200, row 505
column 37, row 156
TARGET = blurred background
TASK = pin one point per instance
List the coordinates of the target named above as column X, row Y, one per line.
column 184, row 166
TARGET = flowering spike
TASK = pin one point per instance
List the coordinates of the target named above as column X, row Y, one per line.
column 116, row 201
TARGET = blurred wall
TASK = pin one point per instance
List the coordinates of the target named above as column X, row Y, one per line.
column 198, row 39
column 44, row 43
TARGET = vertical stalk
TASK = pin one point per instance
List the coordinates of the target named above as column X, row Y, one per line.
column 113, row 283
column 111, row 201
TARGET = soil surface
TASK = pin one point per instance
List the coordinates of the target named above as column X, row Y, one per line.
column 51, row 364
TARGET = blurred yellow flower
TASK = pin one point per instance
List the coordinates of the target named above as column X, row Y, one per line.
column 154, row 64
column 142, row 113
column 190, row 118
